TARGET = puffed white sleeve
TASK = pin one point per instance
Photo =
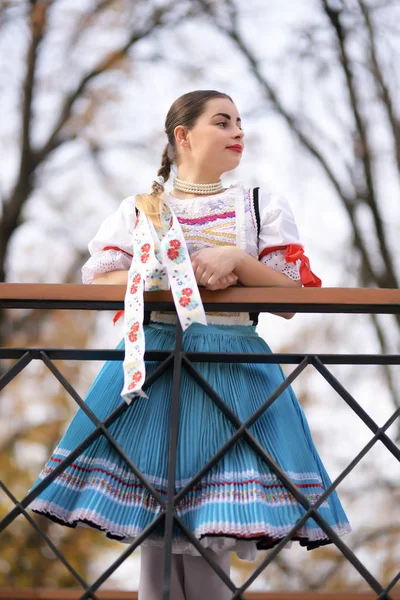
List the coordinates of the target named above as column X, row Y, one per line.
column 279, row 245
column 111, row 249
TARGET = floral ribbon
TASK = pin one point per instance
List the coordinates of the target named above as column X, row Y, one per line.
column 157, row 265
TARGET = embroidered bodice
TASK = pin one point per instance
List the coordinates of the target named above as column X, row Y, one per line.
column 209, row 221
column 206, row 222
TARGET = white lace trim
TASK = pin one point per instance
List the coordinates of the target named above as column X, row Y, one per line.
column 245, row 549
column 103, row 262
column 276, row 260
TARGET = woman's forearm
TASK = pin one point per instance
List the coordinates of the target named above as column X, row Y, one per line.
column 111, row 278
column 249, row 270
column 253, row 273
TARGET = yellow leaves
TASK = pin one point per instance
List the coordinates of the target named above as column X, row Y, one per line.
column 38, row 409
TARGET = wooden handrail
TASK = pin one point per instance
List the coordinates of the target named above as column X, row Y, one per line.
column 49, row 594
column 26, row 295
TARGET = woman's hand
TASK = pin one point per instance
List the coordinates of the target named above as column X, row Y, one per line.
column 224, row 282
column 214, row 267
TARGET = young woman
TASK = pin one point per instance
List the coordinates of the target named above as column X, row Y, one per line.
column 197, row 233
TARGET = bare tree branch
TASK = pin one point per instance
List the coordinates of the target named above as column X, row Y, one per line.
column 340, row 559
column 30, row 158
column 290, row 572
column 273, row 97
column 388, row 279
column 106, row 64
column 12, row 206
column 367, row 192
column 383, row 89
column 89, row 18
column 388, row 373
column 304, row 139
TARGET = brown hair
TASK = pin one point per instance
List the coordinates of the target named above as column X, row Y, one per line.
column 184, row 111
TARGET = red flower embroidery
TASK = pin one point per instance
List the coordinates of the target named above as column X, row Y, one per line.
column 135, row 379
column 184, row 301
column 145, row 257
column 135, row 326
column 137, row 278
column 133, row 289
column 175, row 244
column 145, row 247
column 132, row 336
column 187, row 292
column 172, row 253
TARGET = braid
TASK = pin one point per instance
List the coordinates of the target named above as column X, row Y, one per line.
column 164, row 171
column 151, row 204
column 166, row 163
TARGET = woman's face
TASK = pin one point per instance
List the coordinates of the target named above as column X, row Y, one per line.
column 207, row 144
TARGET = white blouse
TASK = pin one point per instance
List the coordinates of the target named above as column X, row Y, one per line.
column 206, row 221
column 111, row 247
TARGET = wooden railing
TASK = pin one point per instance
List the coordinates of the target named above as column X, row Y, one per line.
column 43, row 594
column 321, row 300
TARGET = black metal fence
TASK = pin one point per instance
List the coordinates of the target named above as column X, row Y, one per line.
column 271, row 300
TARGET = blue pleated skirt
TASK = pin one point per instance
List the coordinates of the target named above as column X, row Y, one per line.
column 240, row 499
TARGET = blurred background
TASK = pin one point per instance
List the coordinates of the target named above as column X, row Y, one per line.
column 85, row 86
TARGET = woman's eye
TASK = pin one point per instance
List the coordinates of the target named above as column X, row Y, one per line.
column 224, row 123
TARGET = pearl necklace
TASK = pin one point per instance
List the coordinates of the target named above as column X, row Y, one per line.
column 197, row 188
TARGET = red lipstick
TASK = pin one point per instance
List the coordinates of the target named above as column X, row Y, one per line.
column 236, row 148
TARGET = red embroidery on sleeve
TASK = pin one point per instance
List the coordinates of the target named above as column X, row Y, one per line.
column 118, row 250
column 295, row 252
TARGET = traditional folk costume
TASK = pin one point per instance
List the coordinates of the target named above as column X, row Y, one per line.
column 240, row 505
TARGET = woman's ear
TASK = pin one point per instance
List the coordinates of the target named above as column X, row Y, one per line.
column 181, row 135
